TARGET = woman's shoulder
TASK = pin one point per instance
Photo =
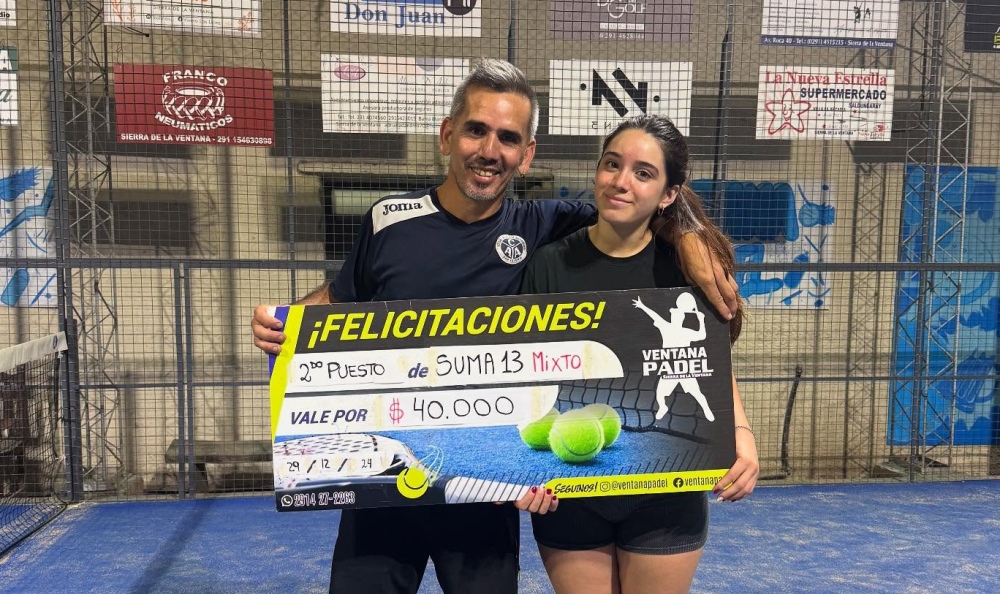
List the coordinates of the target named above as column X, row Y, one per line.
column 558, row 249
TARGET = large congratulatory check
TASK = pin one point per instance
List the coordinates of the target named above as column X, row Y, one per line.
column 478, row 399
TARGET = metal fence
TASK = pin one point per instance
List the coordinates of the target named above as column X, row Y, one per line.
column 170, row 165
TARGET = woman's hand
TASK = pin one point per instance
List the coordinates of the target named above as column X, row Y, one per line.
column 538, row 500
column 742, row 477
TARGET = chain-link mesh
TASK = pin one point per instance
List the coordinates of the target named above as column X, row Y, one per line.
column 167, row 166
column 32, row 477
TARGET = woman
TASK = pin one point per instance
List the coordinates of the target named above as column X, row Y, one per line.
column 642, row 543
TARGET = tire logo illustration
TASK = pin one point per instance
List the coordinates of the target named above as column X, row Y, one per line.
column 194, row 101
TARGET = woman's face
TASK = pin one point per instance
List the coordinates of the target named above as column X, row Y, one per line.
column 631, row 180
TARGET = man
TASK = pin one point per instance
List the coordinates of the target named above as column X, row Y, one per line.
column 461, row 239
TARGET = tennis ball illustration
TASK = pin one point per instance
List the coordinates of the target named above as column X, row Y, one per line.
column 536, row 433
column 576, row 436
column 609, row 420
column 412, row 482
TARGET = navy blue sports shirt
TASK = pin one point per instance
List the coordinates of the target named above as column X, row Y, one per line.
column 409, row 247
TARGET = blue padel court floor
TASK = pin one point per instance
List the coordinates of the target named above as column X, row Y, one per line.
column 898, row 538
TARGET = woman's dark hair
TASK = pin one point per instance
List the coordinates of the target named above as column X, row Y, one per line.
column 686, row 214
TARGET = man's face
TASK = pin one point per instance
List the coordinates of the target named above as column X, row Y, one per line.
column 488, row 143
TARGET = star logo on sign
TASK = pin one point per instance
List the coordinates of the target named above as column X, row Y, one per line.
column 787, row 113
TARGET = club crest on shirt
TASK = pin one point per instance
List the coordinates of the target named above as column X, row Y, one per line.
column 512, row 249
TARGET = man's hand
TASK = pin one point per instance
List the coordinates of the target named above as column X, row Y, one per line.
column 538, row 500
column 705, row 272
column 267, row 334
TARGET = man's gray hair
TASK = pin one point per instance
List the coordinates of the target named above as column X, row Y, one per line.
column 498, row 76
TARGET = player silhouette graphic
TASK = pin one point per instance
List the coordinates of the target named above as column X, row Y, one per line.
column 676, row 334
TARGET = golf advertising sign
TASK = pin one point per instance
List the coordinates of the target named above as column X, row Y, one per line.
column 479, row 399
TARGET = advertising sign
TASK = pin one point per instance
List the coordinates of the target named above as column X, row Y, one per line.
column 824, row 102
column 8, row 87
column 215, row 17
column 982, row 26
column 440, row 18
column 27, row 230
column 621, row 20
column 590, row 97
column 8, row 13
column 835, row 23
column 388, row 94
column 194, row 105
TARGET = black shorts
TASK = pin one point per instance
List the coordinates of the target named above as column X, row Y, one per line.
column 659, row 524
column 384, row 551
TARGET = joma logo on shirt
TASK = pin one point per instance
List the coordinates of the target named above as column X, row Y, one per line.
column 396, row 210
column 398, row 207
